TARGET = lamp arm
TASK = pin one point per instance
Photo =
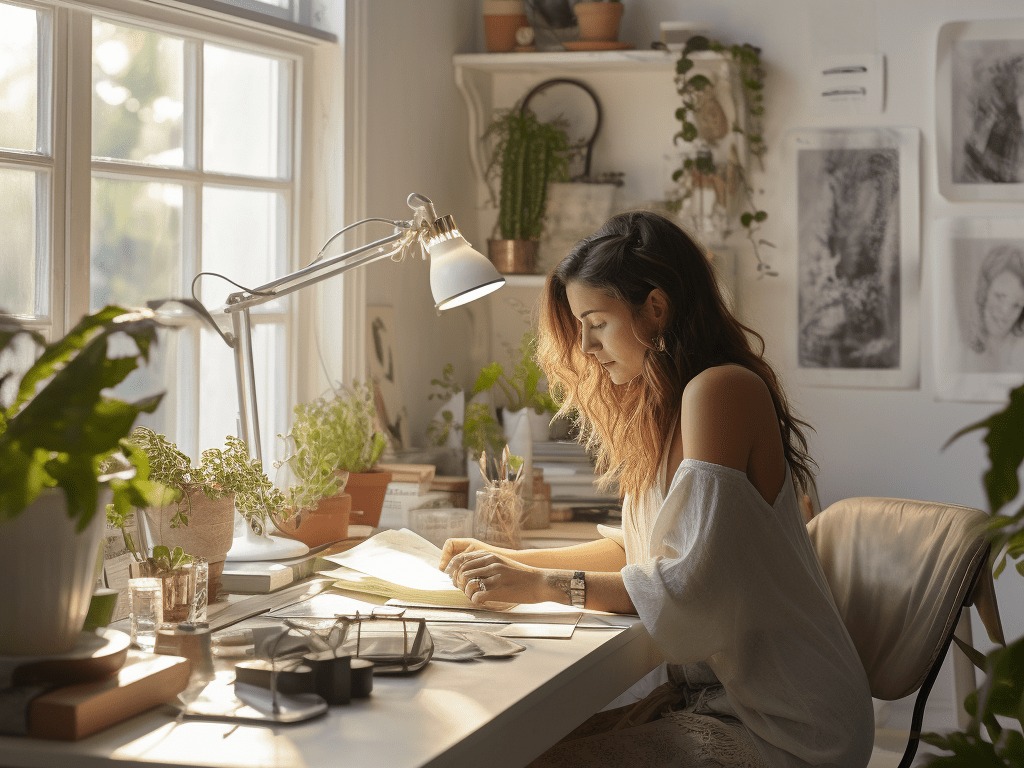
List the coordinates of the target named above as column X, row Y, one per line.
column 315, row 272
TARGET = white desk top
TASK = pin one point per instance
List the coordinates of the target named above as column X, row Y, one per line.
column 496, row 713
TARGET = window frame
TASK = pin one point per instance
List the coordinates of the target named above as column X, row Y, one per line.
column 72, row 167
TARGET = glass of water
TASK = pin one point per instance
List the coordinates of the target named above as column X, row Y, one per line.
column 146, row 606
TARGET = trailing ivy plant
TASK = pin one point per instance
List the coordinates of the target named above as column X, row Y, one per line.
column 220, row 472
column 693, row 89
column 1001, row 694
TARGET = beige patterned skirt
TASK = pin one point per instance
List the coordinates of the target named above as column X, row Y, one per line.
column 677, row 724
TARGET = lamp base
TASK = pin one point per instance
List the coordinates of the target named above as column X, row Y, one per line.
column 248, row 545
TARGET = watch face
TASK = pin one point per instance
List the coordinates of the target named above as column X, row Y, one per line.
column 524, row 36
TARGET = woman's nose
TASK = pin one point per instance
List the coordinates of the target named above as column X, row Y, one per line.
column 587, row 342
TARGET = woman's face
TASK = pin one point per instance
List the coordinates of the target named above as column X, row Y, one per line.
column 1004, row 303
column 606, row 331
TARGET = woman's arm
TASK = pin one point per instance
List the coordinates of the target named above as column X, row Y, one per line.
column 490, row 577
column 600, row 555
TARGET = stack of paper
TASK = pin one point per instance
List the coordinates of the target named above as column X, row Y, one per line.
column 397, row 565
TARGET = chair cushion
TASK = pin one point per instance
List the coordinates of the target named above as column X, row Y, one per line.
column 899, row 570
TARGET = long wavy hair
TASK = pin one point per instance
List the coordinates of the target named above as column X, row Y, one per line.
column 626, row 427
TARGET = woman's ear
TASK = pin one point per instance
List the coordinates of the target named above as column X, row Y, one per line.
column 657, row 308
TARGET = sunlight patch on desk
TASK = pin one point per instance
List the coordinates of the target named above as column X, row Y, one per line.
column 220, row 744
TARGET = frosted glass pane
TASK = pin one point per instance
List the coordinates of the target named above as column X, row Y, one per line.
column 24, row 260
column 219, row 404
column 243, row 98
column 136, row 250
column 19, row 78
column 138, row 101
column 244, row 239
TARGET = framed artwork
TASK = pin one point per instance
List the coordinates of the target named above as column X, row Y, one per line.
column 979, row 128
column 978, row 284
column 383, row 375
column 858, row 257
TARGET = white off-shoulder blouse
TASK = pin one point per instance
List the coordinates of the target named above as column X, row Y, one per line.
column 720, row 576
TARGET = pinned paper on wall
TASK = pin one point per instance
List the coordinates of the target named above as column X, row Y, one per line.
column 850, row 83
column 383, row 374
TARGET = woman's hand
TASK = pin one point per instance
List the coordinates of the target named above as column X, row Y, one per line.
column 489, row 577
column 453, row 547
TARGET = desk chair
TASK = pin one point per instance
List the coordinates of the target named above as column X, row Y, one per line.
column 901, row 571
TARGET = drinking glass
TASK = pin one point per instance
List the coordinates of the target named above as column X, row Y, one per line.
column 146, row 604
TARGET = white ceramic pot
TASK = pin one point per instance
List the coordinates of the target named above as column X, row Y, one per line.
column 48, row 571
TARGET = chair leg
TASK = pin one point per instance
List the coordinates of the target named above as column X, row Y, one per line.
column 922, row 700
column 964, row 680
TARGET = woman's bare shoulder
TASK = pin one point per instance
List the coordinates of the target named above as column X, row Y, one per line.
column 723, row 408
column 724, row 384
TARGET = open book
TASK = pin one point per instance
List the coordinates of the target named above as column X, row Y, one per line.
column 399, row 565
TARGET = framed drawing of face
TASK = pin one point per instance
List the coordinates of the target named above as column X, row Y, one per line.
column 978, row 308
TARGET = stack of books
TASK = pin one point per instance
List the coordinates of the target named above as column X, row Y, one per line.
column 409, row 489
column 570, row 473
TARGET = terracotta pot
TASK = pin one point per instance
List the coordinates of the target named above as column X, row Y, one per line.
column 324, row 525
column 48, row 571
column 209, row 533
column 598, row 21
column 513, row 257
column 502, row 19
column 367, row 490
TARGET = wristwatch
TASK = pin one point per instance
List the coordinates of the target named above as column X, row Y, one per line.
column 578, row 589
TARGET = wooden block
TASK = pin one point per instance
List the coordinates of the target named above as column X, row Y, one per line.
column 76, row 711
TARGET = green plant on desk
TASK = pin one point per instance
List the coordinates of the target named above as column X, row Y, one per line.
column 349, row 420
column 220, row 472
column 523, row 386
column 313, row 457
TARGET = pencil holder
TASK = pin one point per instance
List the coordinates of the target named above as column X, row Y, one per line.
column 499, row 516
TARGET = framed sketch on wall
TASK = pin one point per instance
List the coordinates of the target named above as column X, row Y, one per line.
column 382, row 374
column 979, row 85
column 978, row 284
column 858, row 257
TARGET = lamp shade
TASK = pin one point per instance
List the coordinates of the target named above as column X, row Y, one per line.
column 459, row 274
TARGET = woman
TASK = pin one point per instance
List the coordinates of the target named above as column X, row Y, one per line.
column 999, row 302
column 714, row 557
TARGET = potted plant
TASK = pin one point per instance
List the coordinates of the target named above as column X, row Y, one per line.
column 598, row 21
column 56, row 433
column 315, row 496
column 526, row 154
column 174, row 567
column 197, row 511
column 1002, row 691
column 349, row 419
column 713, row 167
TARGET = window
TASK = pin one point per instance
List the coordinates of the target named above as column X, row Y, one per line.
column 179, row 145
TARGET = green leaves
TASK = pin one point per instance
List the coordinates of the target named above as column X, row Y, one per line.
column 526, row 155
column 1001, row 694
column 62, row 423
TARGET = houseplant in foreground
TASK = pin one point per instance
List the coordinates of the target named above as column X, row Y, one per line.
column 1001, row 694
column 56, row 434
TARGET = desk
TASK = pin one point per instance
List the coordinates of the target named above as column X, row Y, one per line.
column 499, row 713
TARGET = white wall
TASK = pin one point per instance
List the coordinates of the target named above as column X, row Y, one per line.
column 417, row 142
column 867, row 441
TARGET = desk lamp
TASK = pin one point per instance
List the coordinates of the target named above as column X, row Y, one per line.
column 458, row 274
